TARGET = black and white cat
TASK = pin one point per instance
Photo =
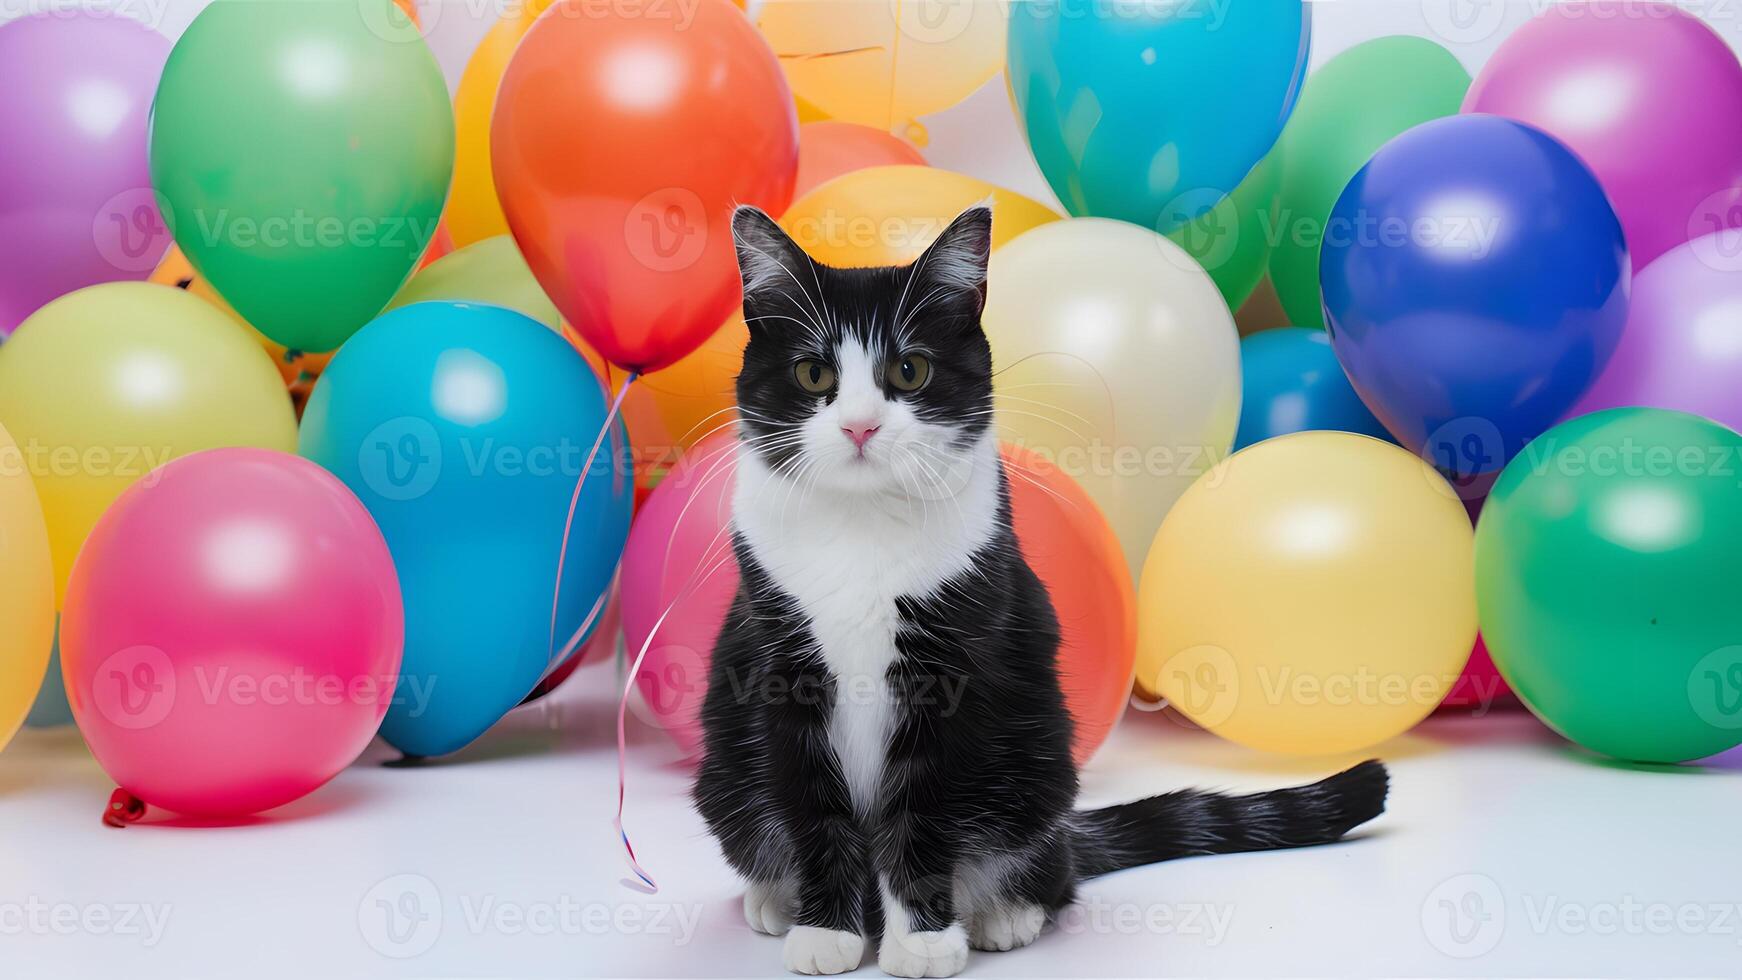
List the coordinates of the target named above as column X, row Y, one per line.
column 888, row 754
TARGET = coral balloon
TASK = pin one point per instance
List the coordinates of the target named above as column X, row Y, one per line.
column 103, row 385
column 828, row 149
column 885, row 64
column 26, row 590
column 1312, row 594
column 232, row 633
column 621, row 145
column 1646, row 95
column 1115, row 358
column 1605, row 572
column 76, row 205
column 474, row 213
column 888, row 215
column 1072, row 548
column 305, row 150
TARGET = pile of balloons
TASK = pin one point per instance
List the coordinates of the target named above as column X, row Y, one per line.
column 332, row 409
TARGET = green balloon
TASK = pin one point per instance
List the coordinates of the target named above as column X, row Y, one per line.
column 1348, row 109
column 1232, row 240
column 1607, row 579
column 302, row 150
column 491, row 271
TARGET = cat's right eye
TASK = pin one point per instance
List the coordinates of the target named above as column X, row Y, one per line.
column 814, row 376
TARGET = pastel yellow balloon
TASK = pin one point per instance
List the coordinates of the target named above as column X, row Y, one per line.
column 888, row 215
column 885, row 63
column 26, row 590
column 105, row 384
column 1314, row 594
column 1117, row 360
column 473, row 212
column 491, row 271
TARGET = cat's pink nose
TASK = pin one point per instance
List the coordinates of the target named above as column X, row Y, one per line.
column 860, row 433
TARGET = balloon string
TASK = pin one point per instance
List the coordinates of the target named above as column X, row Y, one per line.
column 574, row 502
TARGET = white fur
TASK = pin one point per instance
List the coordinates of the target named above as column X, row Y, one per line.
column 768, row 907
column 905, row 953
column 813, row 950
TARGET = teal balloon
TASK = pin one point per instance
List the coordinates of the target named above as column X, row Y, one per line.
column 1607, row 571
column 51, row 708
column 1152, row 113
column 463, row 428
column 1290, row 381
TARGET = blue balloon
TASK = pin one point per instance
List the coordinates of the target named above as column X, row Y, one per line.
column 1475, row 283
column 1152, row 113
column 463, row 429
column 1291, row 382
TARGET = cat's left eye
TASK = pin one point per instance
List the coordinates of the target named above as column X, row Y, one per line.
column 908, row 372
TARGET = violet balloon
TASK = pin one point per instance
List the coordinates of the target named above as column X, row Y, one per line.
column 1682, row 346
column 76, row 204
column 1647, row 95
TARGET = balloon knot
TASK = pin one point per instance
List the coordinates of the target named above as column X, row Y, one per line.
column 124, row 808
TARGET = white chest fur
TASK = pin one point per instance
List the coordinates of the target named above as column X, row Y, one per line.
column 846, row 559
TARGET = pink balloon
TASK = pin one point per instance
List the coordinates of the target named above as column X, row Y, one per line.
column 1682, row 346
column 76, row 204
column 1480, row 685
column 678, row 564
column 1649, row 96
column 232, row 632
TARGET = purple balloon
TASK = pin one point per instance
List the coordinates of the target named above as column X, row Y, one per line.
column 1649, row 97
column 76, row 204
column 1682, row 347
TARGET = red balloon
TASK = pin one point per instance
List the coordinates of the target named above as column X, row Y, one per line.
column 620, row 145
column 828, row 149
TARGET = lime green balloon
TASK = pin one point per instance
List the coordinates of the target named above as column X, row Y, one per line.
column 1348, row 109
column 1608, row 578
column 1232, row 240
column 302, row 149
column 490, row 271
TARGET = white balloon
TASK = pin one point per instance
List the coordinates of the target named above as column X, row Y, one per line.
column 1117, row 361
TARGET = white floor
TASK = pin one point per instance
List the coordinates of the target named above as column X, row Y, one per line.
column 1505, row 853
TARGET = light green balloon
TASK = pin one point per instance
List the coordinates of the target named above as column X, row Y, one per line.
column 1348, row 109
column 1232, row 240
column 302, row 150
column 491, row 271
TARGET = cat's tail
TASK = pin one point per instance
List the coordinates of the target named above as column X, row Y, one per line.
column 1190, row 822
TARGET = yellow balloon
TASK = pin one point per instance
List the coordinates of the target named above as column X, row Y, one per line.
column 103, row 385
column 1314, row 594
column 474, row 213
column 888, row 215
column 491, row 271
column 885, row 64
column 26, row 590
column 1117, row 360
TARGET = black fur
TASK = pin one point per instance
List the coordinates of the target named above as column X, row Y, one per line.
column 978, row 766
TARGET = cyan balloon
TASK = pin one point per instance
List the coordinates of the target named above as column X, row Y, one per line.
column 1291, row 382
column 463, row 428
column 1152, row 113
column 1475, row 284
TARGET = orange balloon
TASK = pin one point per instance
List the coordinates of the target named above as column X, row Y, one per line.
column 1074, row 551
column 440, row 246
column 621, row 145
column 474, row 213
column 299, row 369
column 827, row 150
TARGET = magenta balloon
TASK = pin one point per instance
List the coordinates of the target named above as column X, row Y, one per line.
column 76, row 204
column 1649, row 96
column 1682, row 347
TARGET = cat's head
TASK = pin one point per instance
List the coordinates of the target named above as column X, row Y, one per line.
column 865, row 380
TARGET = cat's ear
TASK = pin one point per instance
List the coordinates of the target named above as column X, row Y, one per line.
column 957, row 260
column 768, row 259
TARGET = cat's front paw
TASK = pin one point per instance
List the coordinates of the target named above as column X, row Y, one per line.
column 815, row 951
column 768, row 908
column 1006, row 927
column 924, row 954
